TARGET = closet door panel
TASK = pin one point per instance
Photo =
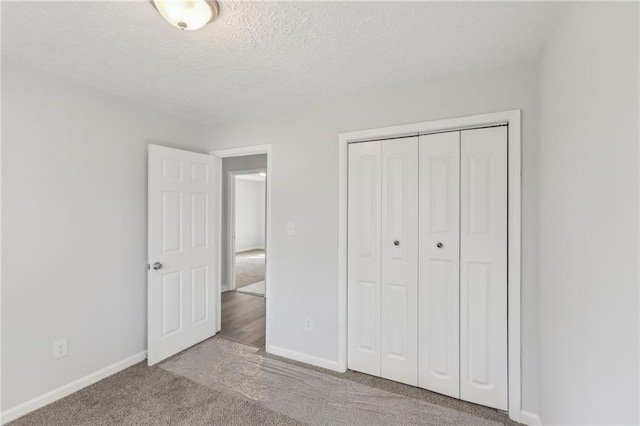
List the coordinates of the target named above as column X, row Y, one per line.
column 483, row 273
column 399, row 250
column 439, row 266
column 363, row 282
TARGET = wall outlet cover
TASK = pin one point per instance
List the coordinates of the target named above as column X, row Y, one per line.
column 59, row 348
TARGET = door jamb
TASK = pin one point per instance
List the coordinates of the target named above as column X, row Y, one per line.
column 231, row 221
column 511, row 118
column 241, row 152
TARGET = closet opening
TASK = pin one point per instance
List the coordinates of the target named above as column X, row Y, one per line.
column 430, row 256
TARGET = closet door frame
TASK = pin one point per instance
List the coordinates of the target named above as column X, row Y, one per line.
column 512, row 119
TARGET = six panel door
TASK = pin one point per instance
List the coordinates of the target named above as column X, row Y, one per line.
column 399, row 261
column 182, row 279
column 439, row 270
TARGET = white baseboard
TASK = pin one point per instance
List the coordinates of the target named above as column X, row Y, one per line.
column 56, row 394
column 329, row 364
column 242, row 250
column 530, row 419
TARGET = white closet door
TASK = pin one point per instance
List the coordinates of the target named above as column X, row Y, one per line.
column 439, row 283
column 483, row 274
column 364, row 257
column 399, row 331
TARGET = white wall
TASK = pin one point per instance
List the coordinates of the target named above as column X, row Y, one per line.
column 588, row 298
column 74, row 227
column 249, row 214
column 304, row 191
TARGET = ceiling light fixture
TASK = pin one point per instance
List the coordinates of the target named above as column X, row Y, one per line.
column 188, row 15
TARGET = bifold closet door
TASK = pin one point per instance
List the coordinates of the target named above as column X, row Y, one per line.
column 439, row 265
column 364, row 230
column 399, row 261
column 483, row 266
column 446, row 195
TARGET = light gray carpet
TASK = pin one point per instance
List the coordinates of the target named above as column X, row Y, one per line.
column 227, row 383
column 143, row 395
column 311, row 397
column 250, row 267
column 257, row 289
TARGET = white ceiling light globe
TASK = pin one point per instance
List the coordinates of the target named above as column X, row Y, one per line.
column 188, row 15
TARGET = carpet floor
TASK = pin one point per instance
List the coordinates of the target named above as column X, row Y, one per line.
column 143, row 395
column 250, row 268
column 255, row 288
column 227, row 383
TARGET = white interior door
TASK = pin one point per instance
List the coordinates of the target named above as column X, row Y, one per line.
column 183, row 294
column 399, row 261
column 439, row 276
column 363, row 282
column 483, row 274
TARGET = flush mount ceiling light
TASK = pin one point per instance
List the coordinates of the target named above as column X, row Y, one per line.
column 188, row 15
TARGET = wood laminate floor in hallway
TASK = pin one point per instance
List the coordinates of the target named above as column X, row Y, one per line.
column 243, row 318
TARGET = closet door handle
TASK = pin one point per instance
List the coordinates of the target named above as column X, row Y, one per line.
column 439, row 244
column 396, row 243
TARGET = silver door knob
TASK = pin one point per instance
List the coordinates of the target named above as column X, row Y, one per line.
column 157, row 266
column 439, row 244
column 396, row 243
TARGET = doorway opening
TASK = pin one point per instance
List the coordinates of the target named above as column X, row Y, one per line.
column 245, row 246
column 249, row 219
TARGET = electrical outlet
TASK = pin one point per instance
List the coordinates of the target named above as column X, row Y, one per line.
column 308, row 324
column 291, row 228
column 59, row 348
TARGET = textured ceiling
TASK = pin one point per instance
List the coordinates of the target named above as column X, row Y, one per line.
column 264, row 56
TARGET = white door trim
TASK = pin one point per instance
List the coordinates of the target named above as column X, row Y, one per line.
column 512, row 119
column 231, row 220
column 241, row 152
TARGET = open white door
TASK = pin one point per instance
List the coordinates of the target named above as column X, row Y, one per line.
column 183, row 294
